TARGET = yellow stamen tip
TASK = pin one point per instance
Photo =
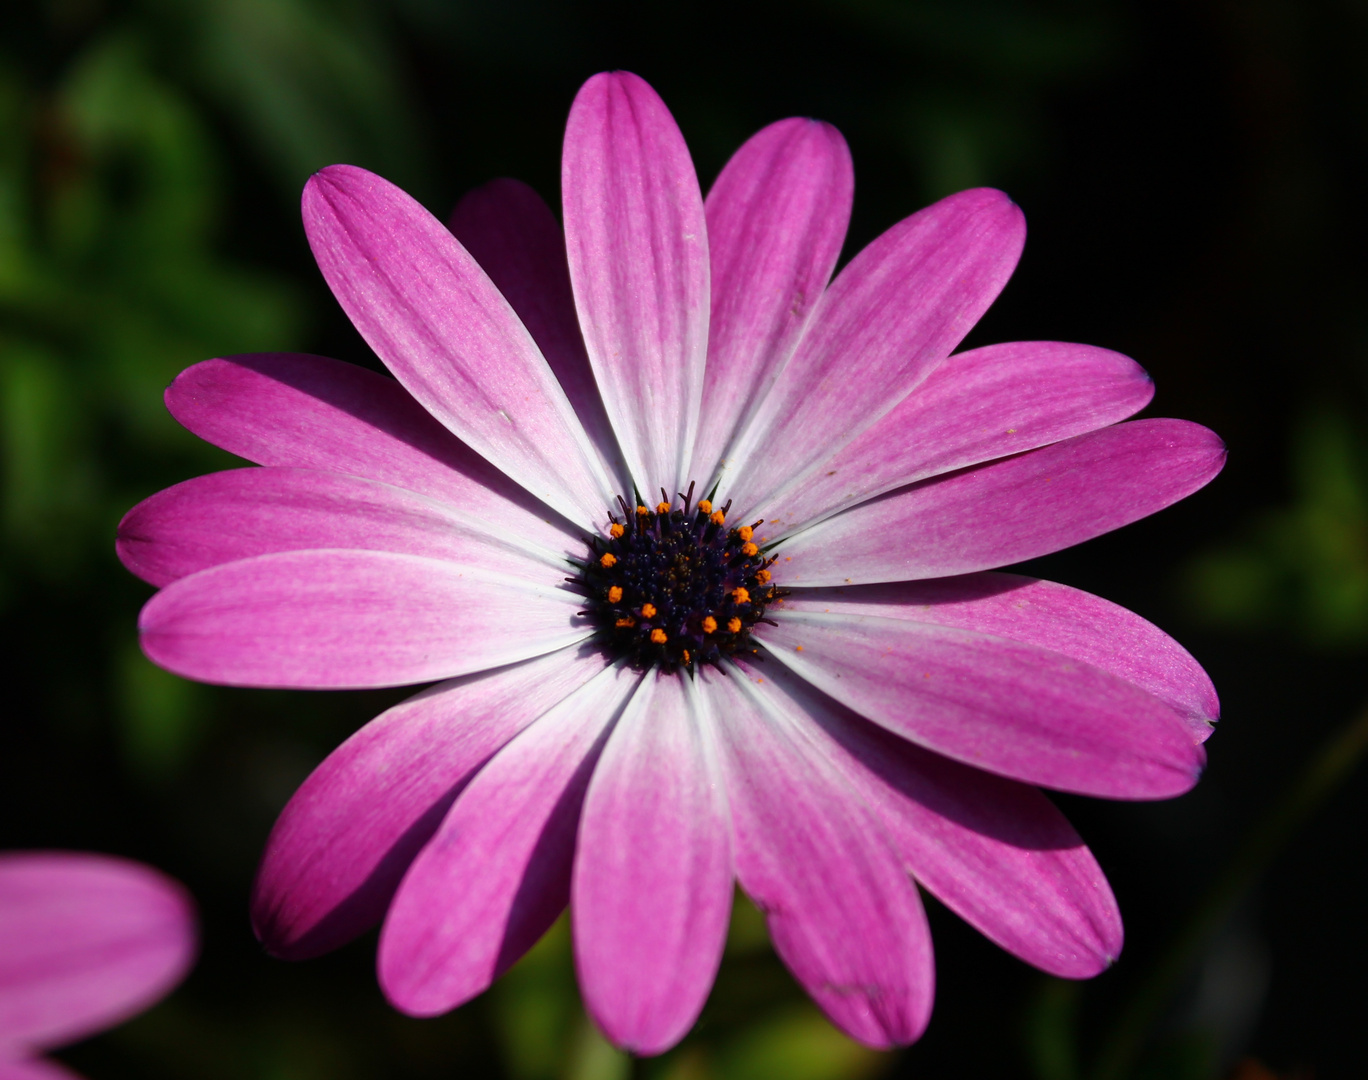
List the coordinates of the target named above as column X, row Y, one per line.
column 734, row 625
column 607, row 559
column 658, row 636
column 648, row 611
column 626, row 620
column 749, row 549
column 662, row 508
column 717, row 517
column 686, row 657
column 709, row 624
column 762, row 576
column 741, row 595
column 642, row 511
column 615, row 530
column 614, row 594
column 704, row 506
column 745, row 532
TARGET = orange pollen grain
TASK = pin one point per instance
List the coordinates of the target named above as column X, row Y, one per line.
column 607, row 559
column 642, row 511
column 762, row 576
column 658, row 636
column 704, row 507
column 648, row 611
column 686, row 656
column 797, row 648
column 745, row 532
column 626, row 620
column 734, row 625
column 615, row 530
column 717, row 517
column 741, row 595
column 614, row 594
column 749, row 549
column 662, row 508
column 709, row 624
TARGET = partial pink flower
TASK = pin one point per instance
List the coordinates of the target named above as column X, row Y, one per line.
column 698, row 544
column 86, row 941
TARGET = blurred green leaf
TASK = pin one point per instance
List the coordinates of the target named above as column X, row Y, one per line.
column 1302, row 568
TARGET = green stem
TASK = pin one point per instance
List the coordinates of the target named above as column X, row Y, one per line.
column 1319, row 778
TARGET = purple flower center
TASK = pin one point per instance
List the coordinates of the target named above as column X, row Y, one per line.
column 673, row 586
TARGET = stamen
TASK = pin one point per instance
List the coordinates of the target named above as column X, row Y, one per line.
column 672, row 587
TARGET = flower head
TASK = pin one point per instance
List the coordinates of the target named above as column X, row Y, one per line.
column 790, row 670
column 86, row 941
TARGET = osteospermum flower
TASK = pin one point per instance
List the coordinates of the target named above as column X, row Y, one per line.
column 696, row 542
column 86, row 941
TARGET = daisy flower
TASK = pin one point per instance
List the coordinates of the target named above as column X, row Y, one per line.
column 86, row 941
column 695, row 540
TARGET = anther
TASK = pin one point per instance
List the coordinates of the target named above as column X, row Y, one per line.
column 709, row 624
column 648, row 611
column 662, row 508
column 749, row 549
column 741, row 595
column 615, row 530
column 717, row 517
column 658, row 636
column 607, row 560
column 734, row 625
column 763, row 576
column 704, row 506
column 615, row 594
column 745, row 532
column 626, row 620
column 642, row 511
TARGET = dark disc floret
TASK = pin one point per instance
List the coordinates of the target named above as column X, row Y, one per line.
column 674, row 586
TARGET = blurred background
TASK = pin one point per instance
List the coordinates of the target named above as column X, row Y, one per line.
column 1194, row 176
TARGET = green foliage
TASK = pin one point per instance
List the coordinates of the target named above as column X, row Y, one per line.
column 1301, row 568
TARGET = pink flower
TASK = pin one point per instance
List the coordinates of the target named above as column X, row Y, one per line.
column 86, row 941
column 642, row 704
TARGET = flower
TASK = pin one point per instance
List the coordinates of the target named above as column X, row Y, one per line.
column 86, row 941
column 792, row 671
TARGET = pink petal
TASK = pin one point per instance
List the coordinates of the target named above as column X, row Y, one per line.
column 1010, row 510
column 652, row 883
column 1049, row 616
column 994, row 851
column 86, row 941
column 777, row 216
column 497, row 874
column 842, row 914
column 342, row 843
column 976, row 406
column 890, row 317
column 309, row 412
column 518, row 242
column 351, row 619
column 439, row 324
column 225, row 516
column 1000, row 705
column 35, row 1069
column 638, row 250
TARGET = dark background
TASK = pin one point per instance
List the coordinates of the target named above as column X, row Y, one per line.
column 1193, row 175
